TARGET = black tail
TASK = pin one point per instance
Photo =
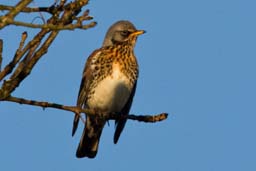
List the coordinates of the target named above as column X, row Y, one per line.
column 119, row 128
column 89, row 142
column 75, row 123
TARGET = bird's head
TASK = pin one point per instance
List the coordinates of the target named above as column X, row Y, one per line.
column 120, row 32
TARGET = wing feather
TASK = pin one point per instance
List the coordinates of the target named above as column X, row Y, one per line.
column 125, row 111
column 87, row 79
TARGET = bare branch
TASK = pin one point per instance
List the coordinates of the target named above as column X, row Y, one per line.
column 78, row 24
column 5, row 20
column 25, row 67
column 50, row 9
column 34, row 51
column 8, row 68
column 1, row 51
column 53, row 26
column 76, row 109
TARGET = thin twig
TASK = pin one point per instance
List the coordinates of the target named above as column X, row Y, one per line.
column 53, row 26
column 1, row 51
column 9, row 67
column 11, row 15
column 22, row 71
column 40, row 14
column 29, row 9
column 93, row 113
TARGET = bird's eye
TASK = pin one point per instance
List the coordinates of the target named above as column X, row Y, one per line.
column 125, row 33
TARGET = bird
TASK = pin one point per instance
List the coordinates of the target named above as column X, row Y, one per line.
column 108, row 85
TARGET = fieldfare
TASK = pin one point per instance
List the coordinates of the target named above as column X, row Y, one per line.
column 108, row 85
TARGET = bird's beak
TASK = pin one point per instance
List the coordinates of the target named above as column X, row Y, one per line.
column 138, row 32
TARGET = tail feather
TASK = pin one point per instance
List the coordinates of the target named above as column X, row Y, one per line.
column 75, row 124
column 88, row 146
column 119, row 128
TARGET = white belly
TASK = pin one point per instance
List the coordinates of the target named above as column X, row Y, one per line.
column 112, row 93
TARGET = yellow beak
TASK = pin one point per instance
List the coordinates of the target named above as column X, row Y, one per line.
column 138, row 32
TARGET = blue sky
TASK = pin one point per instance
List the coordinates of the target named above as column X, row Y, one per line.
column 197, row 62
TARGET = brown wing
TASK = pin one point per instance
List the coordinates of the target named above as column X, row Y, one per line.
column 84, row 87
column 125, row 111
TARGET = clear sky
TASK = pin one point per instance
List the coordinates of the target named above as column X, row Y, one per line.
column 197, row 62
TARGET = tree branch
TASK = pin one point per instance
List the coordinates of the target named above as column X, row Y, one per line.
column 34, row 51
column 5, row 20
column 93, row 113
column 8, row 68
column 50, row 9
column 1, row 51
column 53, row 26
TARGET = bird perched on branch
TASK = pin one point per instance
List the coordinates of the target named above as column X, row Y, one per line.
column 108, row 85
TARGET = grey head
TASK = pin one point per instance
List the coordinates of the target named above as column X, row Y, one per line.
column 120, row 32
